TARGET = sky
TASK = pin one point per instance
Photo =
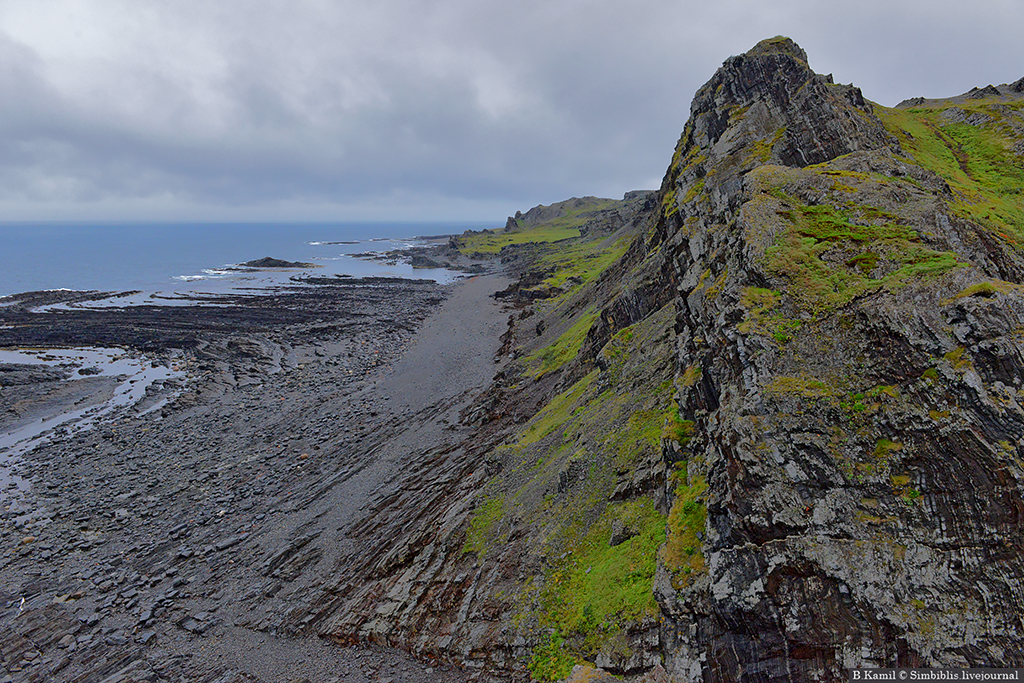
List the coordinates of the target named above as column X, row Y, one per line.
column 354, row 110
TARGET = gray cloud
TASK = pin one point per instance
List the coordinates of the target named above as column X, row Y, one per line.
column 402, row 109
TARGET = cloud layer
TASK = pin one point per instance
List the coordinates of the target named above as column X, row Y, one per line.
column 317, row 110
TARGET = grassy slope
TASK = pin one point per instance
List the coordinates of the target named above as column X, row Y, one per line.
column 563, row 227
column 596, row 433
column 982, row 163
column 610, row 422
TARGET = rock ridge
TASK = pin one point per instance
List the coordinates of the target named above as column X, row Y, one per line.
column 841, row 402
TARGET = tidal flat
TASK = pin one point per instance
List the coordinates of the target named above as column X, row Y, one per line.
column 172, row 537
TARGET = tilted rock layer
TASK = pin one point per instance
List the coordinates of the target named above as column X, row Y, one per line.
column 764, row 424
column 849, row 341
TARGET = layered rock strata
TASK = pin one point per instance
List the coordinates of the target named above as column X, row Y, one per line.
column 850, row 357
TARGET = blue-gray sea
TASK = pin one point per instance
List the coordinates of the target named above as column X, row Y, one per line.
column 183, row 258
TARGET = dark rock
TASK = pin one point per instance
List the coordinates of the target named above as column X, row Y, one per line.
column 790, row 501
column 421, row 261
column 979, row 93
column 911, row 102
column 268, row 262
column 777, row 91
column 226, row 543
column 621, row 533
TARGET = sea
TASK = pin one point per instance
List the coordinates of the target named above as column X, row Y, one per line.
column 174, row 259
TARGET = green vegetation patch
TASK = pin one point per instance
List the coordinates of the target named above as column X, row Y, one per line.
column 598, row 432
column 806, row 253
column 643, row 429
column 761, row 150
column 563, row 227
column 683, row 552
column 987, row 289
column 807, row 387
column 491, row 242
column 556, row 413
column 550, row 660
column 980, row 162
column 884, row 448
column 574, row 265
column 597, row 589
column 553, row 356
column 481, row 526
column 678, row 429
column 691, row 375
column 763, row 315
column 958, row 358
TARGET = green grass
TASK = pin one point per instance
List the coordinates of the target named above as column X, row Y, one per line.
column 492, row 243
column 958, row 358
column 677, row 428
column 556, row 354
column 762, row 316
column 643, row 429
column 578, row 264
column 691, row 375
column 885, row 447
column 683, row 552
column 563, row 227
column 761, row 150
column 550, row 660
column 598, row 589
column 601, row 427
column 986, row 177
column 481, row 526
column 821, row 285
column 556, row 413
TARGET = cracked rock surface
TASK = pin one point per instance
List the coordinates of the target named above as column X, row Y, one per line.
column 180, row 545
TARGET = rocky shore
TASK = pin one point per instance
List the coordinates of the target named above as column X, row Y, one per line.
column 170, row 545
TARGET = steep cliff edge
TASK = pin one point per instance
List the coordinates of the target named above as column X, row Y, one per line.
column 849, row 327
column 761, row 424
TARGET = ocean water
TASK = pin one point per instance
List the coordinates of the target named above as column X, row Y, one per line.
column 182, row 258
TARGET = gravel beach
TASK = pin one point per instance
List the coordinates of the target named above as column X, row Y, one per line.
column 176, row 540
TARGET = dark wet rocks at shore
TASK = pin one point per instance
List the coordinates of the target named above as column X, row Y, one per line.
column 142, row 541
column 338, row 303
column 436, row 256
column 270, row 262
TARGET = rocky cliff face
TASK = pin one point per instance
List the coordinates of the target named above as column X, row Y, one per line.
column 850, row 360
column 762, row 424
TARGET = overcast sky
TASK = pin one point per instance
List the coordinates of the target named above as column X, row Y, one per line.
column 404, row 110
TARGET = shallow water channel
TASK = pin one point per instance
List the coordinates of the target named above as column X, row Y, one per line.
column 130, row 377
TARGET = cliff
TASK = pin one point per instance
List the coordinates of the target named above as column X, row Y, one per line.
column 762, row 424
column 848, row 325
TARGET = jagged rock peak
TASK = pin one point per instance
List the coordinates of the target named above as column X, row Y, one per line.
column 770, row 95
column 778, row 45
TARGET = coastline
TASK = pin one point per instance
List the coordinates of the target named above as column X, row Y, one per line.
column 148, row 540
